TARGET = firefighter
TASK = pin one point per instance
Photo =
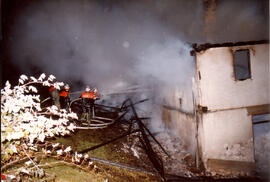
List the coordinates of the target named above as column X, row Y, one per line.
column 65, row 97
column 88, row 101
column 97, row 95
column 54, row 96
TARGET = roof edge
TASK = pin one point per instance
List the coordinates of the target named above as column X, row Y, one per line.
column 203, row 47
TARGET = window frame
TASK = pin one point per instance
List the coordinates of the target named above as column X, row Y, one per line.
column 249, row 64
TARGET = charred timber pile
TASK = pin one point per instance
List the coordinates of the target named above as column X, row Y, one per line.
column 143, row 137
column 135, row 125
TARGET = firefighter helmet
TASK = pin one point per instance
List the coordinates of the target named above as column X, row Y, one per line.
column 87, row 89
column 95, row 90
column 67, row 87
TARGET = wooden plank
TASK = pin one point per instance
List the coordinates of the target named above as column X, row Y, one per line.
column 259, row 109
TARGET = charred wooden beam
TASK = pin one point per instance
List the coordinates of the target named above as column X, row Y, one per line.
column 125, row 107
column 155, row 140
column 111, row 107
column 153, row 157
column 203, row 47
column 142, row 126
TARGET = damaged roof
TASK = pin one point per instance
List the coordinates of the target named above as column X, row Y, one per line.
column 203, row 47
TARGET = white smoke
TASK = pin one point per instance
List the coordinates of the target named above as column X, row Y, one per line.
column 111, row 49
column 168, row 62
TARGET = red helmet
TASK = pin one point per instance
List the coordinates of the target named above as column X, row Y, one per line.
column 67, row 87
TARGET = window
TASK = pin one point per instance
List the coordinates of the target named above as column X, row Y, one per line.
column 261, row 118
column 241, row 64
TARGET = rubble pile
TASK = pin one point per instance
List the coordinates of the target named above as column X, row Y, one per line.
column 134, row 147
column 164, row 151
column 180, row 161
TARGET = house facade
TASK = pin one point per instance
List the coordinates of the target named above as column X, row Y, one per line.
column 232, row 87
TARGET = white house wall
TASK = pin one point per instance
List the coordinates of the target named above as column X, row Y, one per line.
column 225, row 127
column 218, row 87
column 228, row 135
column 183, row 125
column 179, row 117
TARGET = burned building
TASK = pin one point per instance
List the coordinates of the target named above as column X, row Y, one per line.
column 230, row 89
column 233, row 87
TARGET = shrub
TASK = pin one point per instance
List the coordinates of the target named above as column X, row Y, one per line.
column 24, row 122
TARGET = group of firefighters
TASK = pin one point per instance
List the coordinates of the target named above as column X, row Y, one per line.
column 61, row 99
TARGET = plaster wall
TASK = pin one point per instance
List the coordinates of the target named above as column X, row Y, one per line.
column 228, row 135
column 180, row 98
column 217, row 85
column 183, row 125
column 179, row 116
column 225, row 130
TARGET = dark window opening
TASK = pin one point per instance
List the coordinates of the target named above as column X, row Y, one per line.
column 261, row 138
column 241, row 64
column 261, row 118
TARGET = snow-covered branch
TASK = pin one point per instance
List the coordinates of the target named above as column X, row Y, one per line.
column 22, row 119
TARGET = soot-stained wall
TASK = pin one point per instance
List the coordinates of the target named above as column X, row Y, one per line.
column 226, row 127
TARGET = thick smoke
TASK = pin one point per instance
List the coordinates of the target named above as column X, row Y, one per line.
column 113, row 45
column 94, row 37
column 242, row 20
column 84, row 42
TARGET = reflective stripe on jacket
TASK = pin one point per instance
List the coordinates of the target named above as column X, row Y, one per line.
column 64, row 93
column 88, row 95
column 51, row 89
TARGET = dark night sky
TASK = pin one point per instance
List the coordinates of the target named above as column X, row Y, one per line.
column 10, row 11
